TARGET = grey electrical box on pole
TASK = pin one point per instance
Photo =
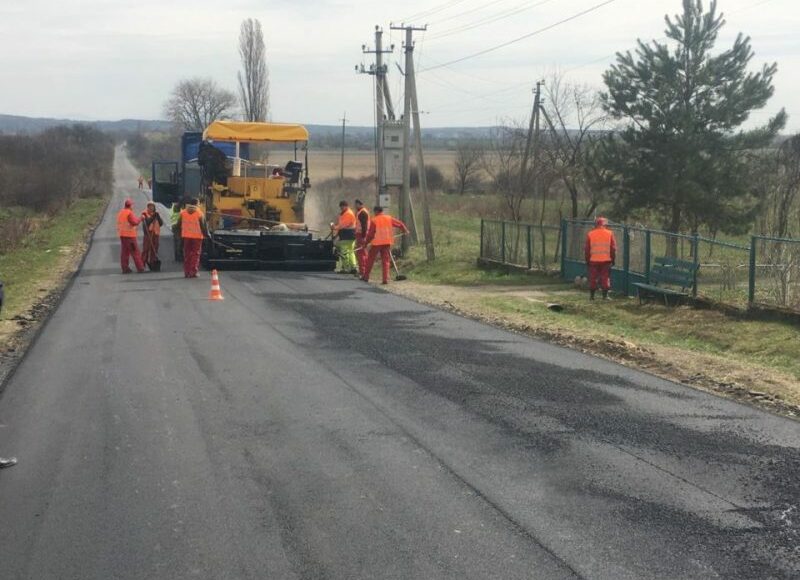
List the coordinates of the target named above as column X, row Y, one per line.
column 393, row 143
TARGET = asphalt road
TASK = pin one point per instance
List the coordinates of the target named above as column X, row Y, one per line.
column 311, row 426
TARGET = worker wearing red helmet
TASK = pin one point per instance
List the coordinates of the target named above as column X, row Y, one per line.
column 601, row 254
column 126, row 228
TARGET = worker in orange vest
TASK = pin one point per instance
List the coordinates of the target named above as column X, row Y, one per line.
column 126, row 228
column 381, row 236
column 601, row 254
column 193, row 229
column 362, row 227
column 345, row 233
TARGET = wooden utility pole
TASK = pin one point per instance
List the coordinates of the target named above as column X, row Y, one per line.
column 341, row 169
column 423, row 177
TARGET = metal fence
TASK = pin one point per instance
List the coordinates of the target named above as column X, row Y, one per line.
column 523, row 245
column 775, row 272
column 767, row 272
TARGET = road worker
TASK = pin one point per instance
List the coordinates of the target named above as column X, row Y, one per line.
column 127, row 223
column 177, row 240
column 141, row 182
column 345, row 233
column 362, row 227
column 381, row 236
column 601, row 255
column 193, row 228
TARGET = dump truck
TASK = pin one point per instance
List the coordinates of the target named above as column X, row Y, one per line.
column 254, row 209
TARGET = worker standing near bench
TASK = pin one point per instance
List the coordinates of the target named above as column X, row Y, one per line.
column 601, row 254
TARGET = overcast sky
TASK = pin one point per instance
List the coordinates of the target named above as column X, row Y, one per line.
column 112, row 59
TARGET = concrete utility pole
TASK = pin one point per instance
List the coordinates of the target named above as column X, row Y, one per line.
column 532, row 139
column 341, row 170
column 382, row 99
column 405, row 205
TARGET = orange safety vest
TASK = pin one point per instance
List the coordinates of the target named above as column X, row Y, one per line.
column 190, row 225
column 359, row 231
column 155, row 227
column 600, row 245
column 347, row 220
column 384, row 231
column 124, row 227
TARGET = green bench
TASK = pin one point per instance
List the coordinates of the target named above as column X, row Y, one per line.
column 668, row 272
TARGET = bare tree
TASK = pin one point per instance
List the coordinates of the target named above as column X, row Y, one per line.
column 468, row 165
column 195, row 103
column 254, row 79
column 503, row 161
column 574, row 116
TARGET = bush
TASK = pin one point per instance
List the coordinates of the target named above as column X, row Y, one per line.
column 434, row 175
column 47, row 172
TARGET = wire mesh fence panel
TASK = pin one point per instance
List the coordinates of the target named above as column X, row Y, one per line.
column 492, row 240
column 637, row 251
column 724, row 271
column 546, row 247
column 576, row 240
column 777, row 272
column 516, row 244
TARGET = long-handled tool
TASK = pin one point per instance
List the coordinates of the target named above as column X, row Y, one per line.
column 398, row 276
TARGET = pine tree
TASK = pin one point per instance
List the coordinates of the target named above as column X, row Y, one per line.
column 680, row 149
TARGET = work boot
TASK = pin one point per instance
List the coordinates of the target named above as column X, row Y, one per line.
column 591, row 294
column 605, row 295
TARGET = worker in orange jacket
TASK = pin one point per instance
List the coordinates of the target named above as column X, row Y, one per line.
column 193, row 230
column 344, row 231
column 126, row 228
column 601, row 254
column 362, row 227
column 381, row 236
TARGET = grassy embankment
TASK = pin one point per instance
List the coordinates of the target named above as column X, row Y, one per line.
column 39, row 260
column 678, row 342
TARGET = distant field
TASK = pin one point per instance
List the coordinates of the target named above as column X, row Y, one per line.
column 326, row 164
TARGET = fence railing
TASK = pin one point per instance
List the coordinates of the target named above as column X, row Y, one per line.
column 523, row 245
column 767, row 272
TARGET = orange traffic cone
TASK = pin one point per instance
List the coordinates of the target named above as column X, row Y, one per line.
column 216, row 293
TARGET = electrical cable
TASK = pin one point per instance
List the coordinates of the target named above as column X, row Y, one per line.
column 431, row 11
column 467, row 12
column 523, row 37
column 490, row 20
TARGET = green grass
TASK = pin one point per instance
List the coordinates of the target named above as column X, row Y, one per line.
column 771, row 344
column 23, row 269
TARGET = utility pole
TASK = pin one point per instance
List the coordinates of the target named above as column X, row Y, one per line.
column 532, row 139
column 382, row 99
column 430, row 253
column 341, row 170
column 405, row 206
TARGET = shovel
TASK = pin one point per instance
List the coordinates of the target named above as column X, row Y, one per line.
column 398, row 276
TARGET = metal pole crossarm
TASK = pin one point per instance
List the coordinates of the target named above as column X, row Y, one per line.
column 409, row 27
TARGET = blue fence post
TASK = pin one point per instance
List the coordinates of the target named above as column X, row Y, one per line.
column 563, row 248
column 530, row 249
column 696, row 259
column 503, row 242
column 481, row 251
column 751, row 296
column 647, row 256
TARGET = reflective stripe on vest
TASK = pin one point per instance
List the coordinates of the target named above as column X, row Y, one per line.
column 600, row 245
column 359, row 230
column 124, row 227
column 383, row 230
column 347, row 220
column 190, row 225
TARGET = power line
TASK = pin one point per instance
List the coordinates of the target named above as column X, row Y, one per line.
column 467, row 12
column 492, row 19
column 432, row 11
column 523, row 37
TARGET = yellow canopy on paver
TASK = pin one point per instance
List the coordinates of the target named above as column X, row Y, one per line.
column 242, row 132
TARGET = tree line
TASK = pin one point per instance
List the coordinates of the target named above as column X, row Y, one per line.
column 664, row 142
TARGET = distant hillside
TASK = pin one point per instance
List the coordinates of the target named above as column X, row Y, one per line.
column 14, row 124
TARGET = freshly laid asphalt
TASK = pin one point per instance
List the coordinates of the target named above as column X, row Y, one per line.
column 312, row 426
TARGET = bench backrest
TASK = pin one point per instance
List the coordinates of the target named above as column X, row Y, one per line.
column 673, row 272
